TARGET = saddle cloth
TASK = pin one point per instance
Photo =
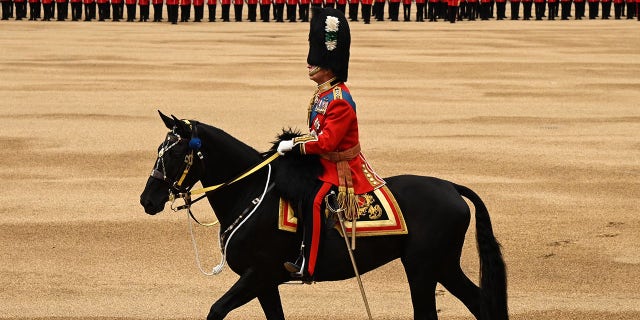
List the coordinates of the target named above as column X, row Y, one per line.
column 378, row 210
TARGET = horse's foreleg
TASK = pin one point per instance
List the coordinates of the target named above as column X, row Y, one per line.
column 271, row 304
column 244, row 290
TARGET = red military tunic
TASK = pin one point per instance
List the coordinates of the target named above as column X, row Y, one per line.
column 334, row 127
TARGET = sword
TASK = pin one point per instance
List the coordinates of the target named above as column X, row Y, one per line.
column 338, row 212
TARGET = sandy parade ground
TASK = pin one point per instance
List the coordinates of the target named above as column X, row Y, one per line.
column 540, row 118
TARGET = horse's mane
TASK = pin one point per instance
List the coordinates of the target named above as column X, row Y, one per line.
column 296, row 174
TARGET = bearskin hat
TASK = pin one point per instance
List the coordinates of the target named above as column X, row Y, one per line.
column 329, row 41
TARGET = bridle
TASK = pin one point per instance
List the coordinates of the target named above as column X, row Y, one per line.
column 177, row 190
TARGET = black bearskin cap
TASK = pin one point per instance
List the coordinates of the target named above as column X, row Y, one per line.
column 329, row 41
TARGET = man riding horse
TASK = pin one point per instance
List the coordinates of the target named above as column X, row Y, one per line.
column 333, row 133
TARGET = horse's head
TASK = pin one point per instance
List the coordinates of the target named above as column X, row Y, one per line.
column 174, row 171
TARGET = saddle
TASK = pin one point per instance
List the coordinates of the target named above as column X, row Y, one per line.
column 378, row 215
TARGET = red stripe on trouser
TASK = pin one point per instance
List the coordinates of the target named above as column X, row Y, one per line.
column 315, row 235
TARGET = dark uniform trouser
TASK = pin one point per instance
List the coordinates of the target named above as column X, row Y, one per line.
column 252, row 14
column 198, row 13
column 157, row 12
column 353, row 11
column 539, row 10
column 606, row 10
column 631, row 10
column 89, row 11
column 237, row 8
column 303, row 12
column 406, row 9
column 566, row 8
column 172, row 13
column 102, row 11
column 593, row 9
column 131, row 12
column 420, row 12
column 515, row 10
column 278, row 12
column 264, row 12
column 76, row 11
column 185, row 13
column 225, row 12
column 6, row 10
column 526, row 10
column 34, row 10
column 394, row 10
column 144, row 12
column 291, row 12
column 212, row 12
column 366, row 13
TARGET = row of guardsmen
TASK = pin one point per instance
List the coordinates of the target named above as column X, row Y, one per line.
column 448, row 10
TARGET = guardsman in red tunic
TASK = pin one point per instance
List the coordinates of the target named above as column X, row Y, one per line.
column 394, row 9
column 102, row 9
column 472, row 9
column 62, row 7
column 378, row 9
column 606, row 9
column 593, row 8
column 157, row 10
column 211, row 5
column 76, row 10
column 89, row 10
column 237, row 9
column 303, row 10
column 172, row 11
column 565, row 9
column 226, row 5
column 553, row 4
column 631, row 9
column 485, row 9
column 198, row 10
column 617, row 8
column 579, row 9
column 353, row 10
column 252, row 14
column 515, row 9
column 144, row 10
column 291, row 10
column 342, row 5
column 333, row 134
column 526, row 9
column 185, row 10
column 420, row 5
column 366, row 11
column 452, row 10
column 265, row 7
column 432, row 10
column 34, row 10
column 21, row 9
column 6, row 9
column 117, row 9
column 278, row 10
column 406, row 9
column 131, row 10
column 501, row 6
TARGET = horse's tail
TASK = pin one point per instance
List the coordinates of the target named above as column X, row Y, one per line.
column 493, row 276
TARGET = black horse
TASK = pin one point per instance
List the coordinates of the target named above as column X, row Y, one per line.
column 436, row 215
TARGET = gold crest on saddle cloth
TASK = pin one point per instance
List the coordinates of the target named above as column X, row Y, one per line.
column 378, row 214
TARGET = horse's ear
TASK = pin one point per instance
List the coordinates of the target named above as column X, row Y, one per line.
column 167, row 121
column 181, row 127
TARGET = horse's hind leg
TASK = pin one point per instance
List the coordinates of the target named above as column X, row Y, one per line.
column 271, row 303
column 454, row 280
column 422, row 283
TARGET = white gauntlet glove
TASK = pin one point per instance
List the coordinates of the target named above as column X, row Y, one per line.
column 285, row 146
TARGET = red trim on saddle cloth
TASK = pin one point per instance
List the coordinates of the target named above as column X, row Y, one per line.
column 394, row 223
